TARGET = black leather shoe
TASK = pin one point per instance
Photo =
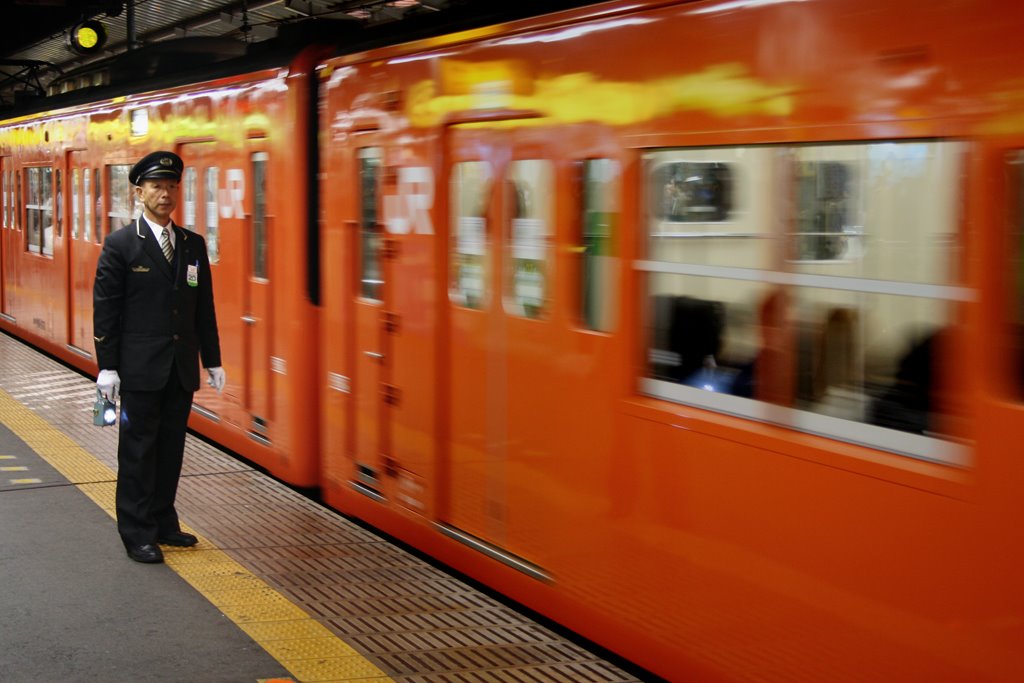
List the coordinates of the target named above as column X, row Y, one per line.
column 149, row 553
column 178, row 538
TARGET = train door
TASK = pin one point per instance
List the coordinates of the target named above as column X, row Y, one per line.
column 5, row 230
column 370, row 376
column 83, row 248
column 256, row 319
column 502, row 337
column 1001, row 424
column 60, row 249
column 199, row 212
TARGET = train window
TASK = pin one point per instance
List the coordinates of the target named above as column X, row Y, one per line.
column 188, row 186
column 59, row 194
column 121, row 196
column 9, row 199
column 13, row 188
column 470, row 193
column 530, row 185
column 212, row 228
column 371, row 278
column 97, row 207
column 824, row 307
column 824, row 200
column 87, row 205
column 76, row 215
column 598, row 272
column 39, row 210
column 692, row 190
column 18, row 216
column 259, row 215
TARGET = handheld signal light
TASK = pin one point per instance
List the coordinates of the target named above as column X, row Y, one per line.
column 104, row 411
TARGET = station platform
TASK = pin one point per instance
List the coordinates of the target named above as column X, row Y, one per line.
column 279, row 588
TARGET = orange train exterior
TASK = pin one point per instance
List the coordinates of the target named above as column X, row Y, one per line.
column 526, row 232
column 226, row 131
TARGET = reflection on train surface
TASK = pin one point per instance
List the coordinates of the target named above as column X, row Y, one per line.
column 709, row 350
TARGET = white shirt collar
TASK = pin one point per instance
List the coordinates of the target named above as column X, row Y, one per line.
column 158, row 229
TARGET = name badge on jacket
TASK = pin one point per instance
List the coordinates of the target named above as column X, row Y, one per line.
column 192, row 275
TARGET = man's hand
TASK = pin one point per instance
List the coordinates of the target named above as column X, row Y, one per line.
column 109, row 384
column 217, row 378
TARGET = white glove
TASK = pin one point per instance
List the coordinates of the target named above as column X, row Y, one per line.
column 109, row 384
column 217, row 378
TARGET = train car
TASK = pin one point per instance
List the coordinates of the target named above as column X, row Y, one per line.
column 694, row 326
column 242, row 128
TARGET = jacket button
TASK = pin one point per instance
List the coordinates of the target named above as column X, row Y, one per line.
column 175, row 337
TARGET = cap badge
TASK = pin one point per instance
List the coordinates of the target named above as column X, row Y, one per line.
column 165, row 161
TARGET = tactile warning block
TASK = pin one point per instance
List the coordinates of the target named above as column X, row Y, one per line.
column 266, row 631
column 334, row 669
column 328, row 647
column 273, row 611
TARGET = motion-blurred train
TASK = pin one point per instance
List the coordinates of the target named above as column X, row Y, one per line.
column 695, row 326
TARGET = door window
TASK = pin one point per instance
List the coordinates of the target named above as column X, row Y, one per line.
column 530, row 185
column 121, row 196
column 470, row 195
column 597, row 258
column 370, row 239
column 39, row 210
column 76, row 206
column 212, row 210
column 259, row 215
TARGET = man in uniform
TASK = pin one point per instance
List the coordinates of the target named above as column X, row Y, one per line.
column 153, row 317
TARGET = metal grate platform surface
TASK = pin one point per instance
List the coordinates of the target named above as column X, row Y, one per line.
column 412, row 621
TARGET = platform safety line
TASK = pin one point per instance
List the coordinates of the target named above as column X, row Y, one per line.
column 302, row 645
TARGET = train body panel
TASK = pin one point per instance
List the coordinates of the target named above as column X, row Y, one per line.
column 242, row 176
column 692, row 325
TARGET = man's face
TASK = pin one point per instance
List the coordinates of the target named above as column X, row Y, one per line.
column 159, row 197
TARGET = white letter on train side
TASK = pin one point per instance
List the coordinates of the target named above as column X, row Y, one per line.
column 416, row 184
column 409, row 210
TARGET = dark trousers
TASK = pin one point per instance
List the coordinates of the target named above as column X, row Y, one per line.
column 150, row 444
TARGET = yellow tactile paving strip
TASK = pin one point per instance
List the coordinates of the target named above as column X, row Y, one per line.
column 302, row 645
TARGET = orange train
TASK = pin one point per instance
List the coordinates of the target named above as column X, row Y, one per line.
column 695, row 326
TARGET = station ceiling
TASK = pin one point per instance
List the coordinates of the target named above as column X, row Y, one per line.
column 35, row 48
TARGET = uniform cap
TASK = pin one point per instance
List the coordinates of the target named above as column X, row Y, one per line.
column 156, row 165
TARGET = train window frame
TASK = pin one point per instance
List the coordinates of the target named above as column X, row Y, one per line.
column 769, row 268
column 596, row 254
column 529, row 237
column 369, row 269
column 121, row 203
column 39, row 206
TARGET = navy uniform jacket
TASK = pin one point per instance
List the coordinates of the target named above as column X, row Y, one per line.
column 146, row 316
